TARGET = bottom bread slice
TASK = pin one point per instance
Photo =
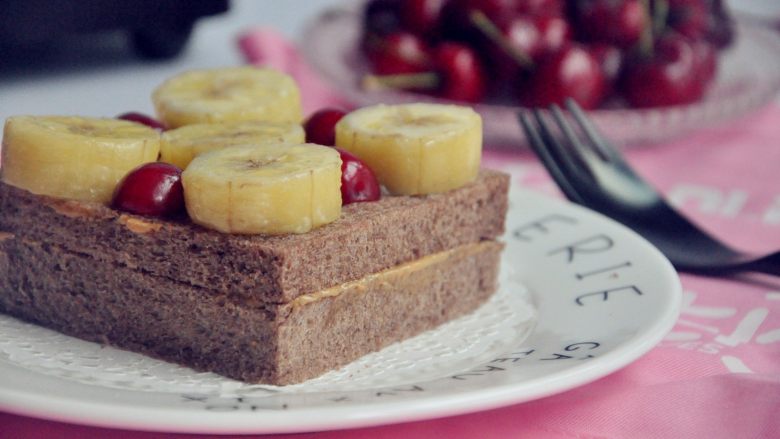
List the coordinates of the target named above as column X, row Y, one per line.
column 265, row 343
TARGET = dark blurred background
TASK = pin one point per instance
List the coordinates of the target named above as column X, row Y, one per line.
column 153, row 29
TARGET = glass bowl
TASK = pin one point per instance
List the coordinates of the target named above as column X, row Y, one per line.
column 748, row 78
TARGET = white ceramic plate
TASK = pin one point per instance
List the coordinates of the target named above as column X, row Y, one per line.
column 748, row 78
column 580, row 297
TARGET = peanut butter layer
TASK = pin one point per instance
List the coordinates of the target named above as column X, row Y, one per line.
column 203, row 329
column 369, row 237
column 418, row 269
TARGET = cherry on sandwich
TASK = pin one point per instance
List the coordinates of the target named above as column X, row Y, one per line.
column 152, row 189
column 143, row 119
column 320, row 126
column 358, row 182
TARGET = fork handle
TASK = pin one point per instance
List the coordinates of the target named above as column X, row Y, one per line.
column 769, row 264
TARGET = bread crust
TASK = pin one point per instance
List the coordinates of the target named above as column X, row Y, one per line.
column 369, row 237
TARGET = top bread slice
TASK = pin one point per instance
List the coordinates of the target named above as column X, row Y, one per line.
column 257, row 270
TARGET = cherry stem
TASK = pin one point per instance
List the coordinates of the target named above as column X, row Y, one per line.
column 487, row 27
column 646, row 44
column 660, row 15
column 424, row 80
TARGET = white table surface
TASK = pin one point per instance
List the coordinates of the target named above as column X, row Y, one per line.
column 102, row 78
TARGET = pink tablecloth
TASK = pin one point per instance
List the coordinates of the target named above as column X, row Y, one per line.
column 717, row 375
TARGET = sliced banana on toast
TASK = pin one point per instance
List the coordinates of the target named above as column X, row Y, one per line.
column 183, row 144
column 264, row 189
column 415, row 149
column 228, row 94
column 74, row 157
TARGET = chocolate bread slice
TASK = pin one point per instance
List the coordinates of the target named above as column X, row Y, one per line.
column 368, row 238
column 113, row 303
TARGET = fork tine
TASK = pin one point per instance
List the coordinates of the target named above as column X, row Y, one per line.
column 564, row 153
column 605, row 150
column 553, row 166
column 585, row 149
column 539, row 147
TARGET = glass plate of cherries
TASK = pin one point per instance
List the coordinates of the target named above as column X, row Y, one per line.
column 647, row 70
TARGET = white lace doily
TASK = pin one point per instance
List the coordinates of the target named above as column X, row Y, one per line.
column 500, row 324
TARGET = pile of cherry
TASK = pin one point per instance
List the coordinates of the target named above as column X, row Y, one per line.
column 642, row 53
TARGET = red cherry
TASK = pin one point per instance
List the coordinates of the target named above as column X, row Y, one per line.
column 457, row 74
column 689, row 17
column 422, row 17
column 494, row 9
column 669, row 77
column 609, row 57
column 610, row 60
column 615, row 22
column 570, row 73
column 399, row 52
column 462, row 76
column 507, row 45
column 151, row 189
column 320, row 127
column 554, row 33
column 534, row 36
column 143, row 119
column 548, row 8
column 358, row 182
column 456, row 16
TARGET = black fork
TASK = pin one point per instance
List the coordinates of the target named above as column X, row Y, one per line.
column 591, row 172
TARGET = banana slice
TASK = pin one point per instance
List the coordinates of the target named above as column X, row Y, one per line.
column 183, row 144
column 74, row 157
column 264, row 189
column 415, row 149
column 219, row 95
